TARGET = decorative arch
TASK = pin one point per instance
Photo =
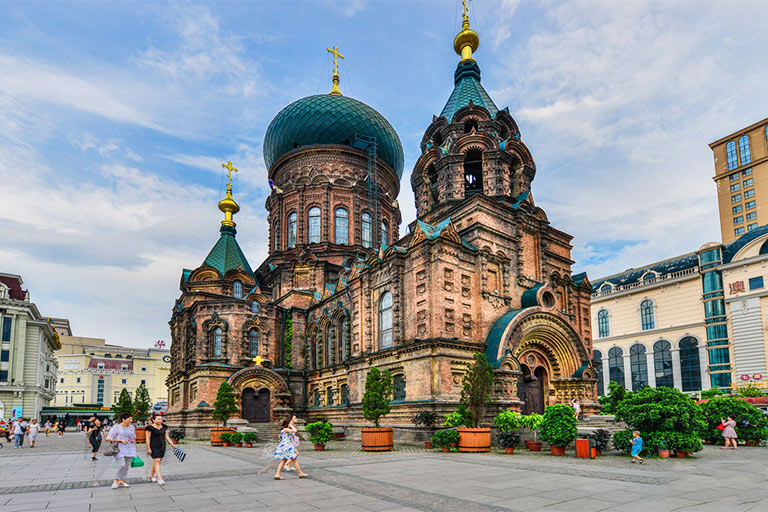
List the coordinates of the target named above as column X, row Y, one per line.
column 211, row 328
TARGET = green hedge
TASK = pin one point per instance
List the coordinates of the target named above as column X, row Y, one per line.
column 558, row 428
column 751, row 423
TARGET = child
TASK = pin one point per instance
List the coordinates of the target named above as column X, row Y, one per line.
column 637, row 447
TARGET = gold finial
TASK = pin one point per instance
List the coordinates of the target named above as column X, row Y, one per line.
column 336, row 54
column 258, row 360
column 228, row 204
column 466, row 41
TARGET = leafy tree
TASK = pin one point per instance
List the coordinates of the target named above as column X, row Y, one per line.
column 123, row 404
column 478, row 384
column 141, row 403
column 559, row 426
column 663, row 414
column 616, row 393
column 750, row 391
column 320, row 432
column 378, row 393
column 225, row 405
column 461, row 418
column 711, row 393
column 751, row 423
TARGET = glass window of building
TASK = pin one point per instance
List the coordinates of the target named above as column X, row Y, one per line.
column 662, row 360
column 733, row 159
column 366, row 229
column 745, row 154
column 253, row 342
column 752, row 227
column 384, row 233
column 737, row 209
column 713, row 281
column 329, row 395
column 603, row 323
column 3, row 375
column 342, row 226
column 292, row 230
column 385, row 320
column 255, row 307
column 647, row 315
column 736, row 198
column 638, row 364
column 755, row 283
column 749, row 193
column 329, row 356
column 752, row 216
column 5, row 355
column 217, row 342
column 749, row 182
column 237, row 290
column 749, row 205
column 343, row 337
column 276, row 231
column 738, row 231
column 597, row 358
column 738, row 220
column 616, row 365
column 734, row 176
column 313, row 218
column 690, row 367
column 746, row 172
column 7, row 323
column 735, row 187
column 398, row 388
column 344, row 394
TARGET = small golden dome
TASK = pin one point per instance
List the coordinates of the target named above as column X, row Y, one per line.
column 466, row 38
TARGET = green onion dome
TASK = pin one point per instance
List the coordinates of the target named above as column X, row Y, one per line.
column 331, row 119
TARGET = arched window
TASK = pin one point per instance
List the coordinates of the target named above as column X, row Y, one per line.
column 603, row 323
column 662, row 361
column 292, row 230
column 316, row 398
column 398, row 388
column 746, row 155
column 469, row 125
column 597, row 357
column 616, row 365
column 329, row 359
column 473, row 172
column 313, row 222
column 384, row 233
column 255, row 307
column 342, row 226
column 343, row 338
column 344, row 394
column 690, row 366
column 366, row 229
column 649, row 278
column 237, row 290
column 647, row 315
column 276, row 231
column 329, row 396
column 733, row 158
column 385, row 320
column 433, row 179
column 253, row 343
column 217, row 342
column 638, row 364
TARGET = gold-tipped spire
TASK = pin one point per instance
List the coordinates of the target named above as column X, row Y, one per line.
column 228, row 204
column 466, row 41
column 335, row 52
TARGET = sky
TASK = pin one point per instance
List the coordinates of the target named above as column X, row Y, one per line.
column 115, row 117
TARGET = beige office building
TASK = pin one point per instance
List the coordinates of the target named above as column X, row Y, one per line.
column 741, row 175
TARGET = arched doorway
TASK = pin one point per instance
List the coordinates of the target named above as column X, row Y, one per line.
column 530, row 389
column 256, row 406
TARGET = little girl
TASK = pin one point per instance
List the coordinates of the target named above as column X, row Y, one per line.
column 285, row 450
column 637, row 447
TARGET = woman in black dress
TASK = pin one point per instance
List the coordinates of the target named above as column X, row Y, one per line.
column 94, row 437
column 157, row 435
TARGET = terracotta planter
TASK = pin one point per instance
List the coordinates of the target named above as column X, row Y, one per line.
column 663, row 454
column 446, row 449
column 534, row 446
column 226, row 444
column 377, row 439
column 681, row 455
column 319, row 447
column 239, row 445
column 428, row 445
column 753, row 443
column 557, row 450
column 474, row 440
column 509, row 451
column 141, row 435
column 597, row 452
column 216, row 435
column 249, row 445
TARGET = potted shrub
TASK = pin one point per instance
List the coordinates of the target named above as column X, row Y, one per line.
column 226, row 438
column 223, row 408
column 177, row 435
column 601, row 438
column 558, row 427
column 378, row 393
column 475, row 395
column 507, row 422
column 532, row 422
column 509, row 441
column 249, row 438
column 236, row 439
column 663, row 449
column 320, row 432
column 428, row 420
column 445, row 439
column 141, row 406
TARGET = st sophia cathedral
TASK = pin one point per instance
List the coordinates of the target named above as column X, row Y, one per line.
column 480, row 269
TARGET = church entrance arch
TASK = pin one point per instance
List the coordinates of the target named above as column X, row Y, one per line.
column 256, row 405
column 532, row 389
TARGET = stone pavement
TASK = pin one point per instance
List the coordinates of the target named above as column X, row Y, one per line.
column 58, row 474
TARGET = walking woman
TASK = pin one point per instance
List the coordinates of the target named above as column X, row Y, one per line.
column 125, row 434
column 158, row 435
column 33, row 429
column 61, row 428
column 290, row 464
column 729, row 433
column 94, row 437
column 285, row 450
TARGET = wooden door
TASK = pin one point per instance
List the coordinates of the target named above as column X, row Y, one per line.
column 256, row 406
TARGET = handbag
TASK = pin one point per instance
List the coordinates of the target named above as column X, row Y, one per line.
column 180, row 454
column 112, row 449
column 137, row 462
column 721, row 427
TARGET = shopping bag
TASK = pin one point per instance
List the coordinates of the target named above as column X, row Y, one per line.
column 137, row 462
column 721, row 427
column 179, row 454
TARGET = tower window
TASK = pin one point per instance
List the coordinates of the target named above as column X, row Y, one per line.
column 733, row 159
column 746, row 155
column 384, row 233
column 469, row 125
column 253, row 342
column 432, row 176
column 217, row 342
column 292, row 230
column 366, row 229
column 237, row 290
column 437, row 139
column 473, row 172
column 276, row 231
column 314, row 225
column 342, row 226
column 385, row 320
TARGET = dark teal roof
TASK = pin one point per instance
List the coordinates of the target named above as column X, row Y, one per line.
column 494, row 337
column 226, row 254
column 529, row 300
column 467, row 87
column 330, row 119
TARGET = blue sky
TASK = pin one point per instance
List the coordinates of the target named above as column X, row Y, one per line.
column 114, row 119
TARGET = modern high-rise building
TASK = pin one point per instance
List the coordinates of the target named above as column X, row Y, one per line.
column 741, row 174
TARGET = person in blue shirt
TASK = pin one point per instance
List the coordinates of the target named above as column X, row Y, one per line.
column 637, row 447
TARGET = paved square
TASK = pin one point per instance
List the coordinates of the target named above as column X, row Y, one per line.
column 59, row 475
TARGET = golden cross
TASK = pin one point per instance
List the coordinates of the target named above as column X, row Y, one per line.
column 258, row 360
column 336, row 55
column 464, row 3
column 229, row 167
